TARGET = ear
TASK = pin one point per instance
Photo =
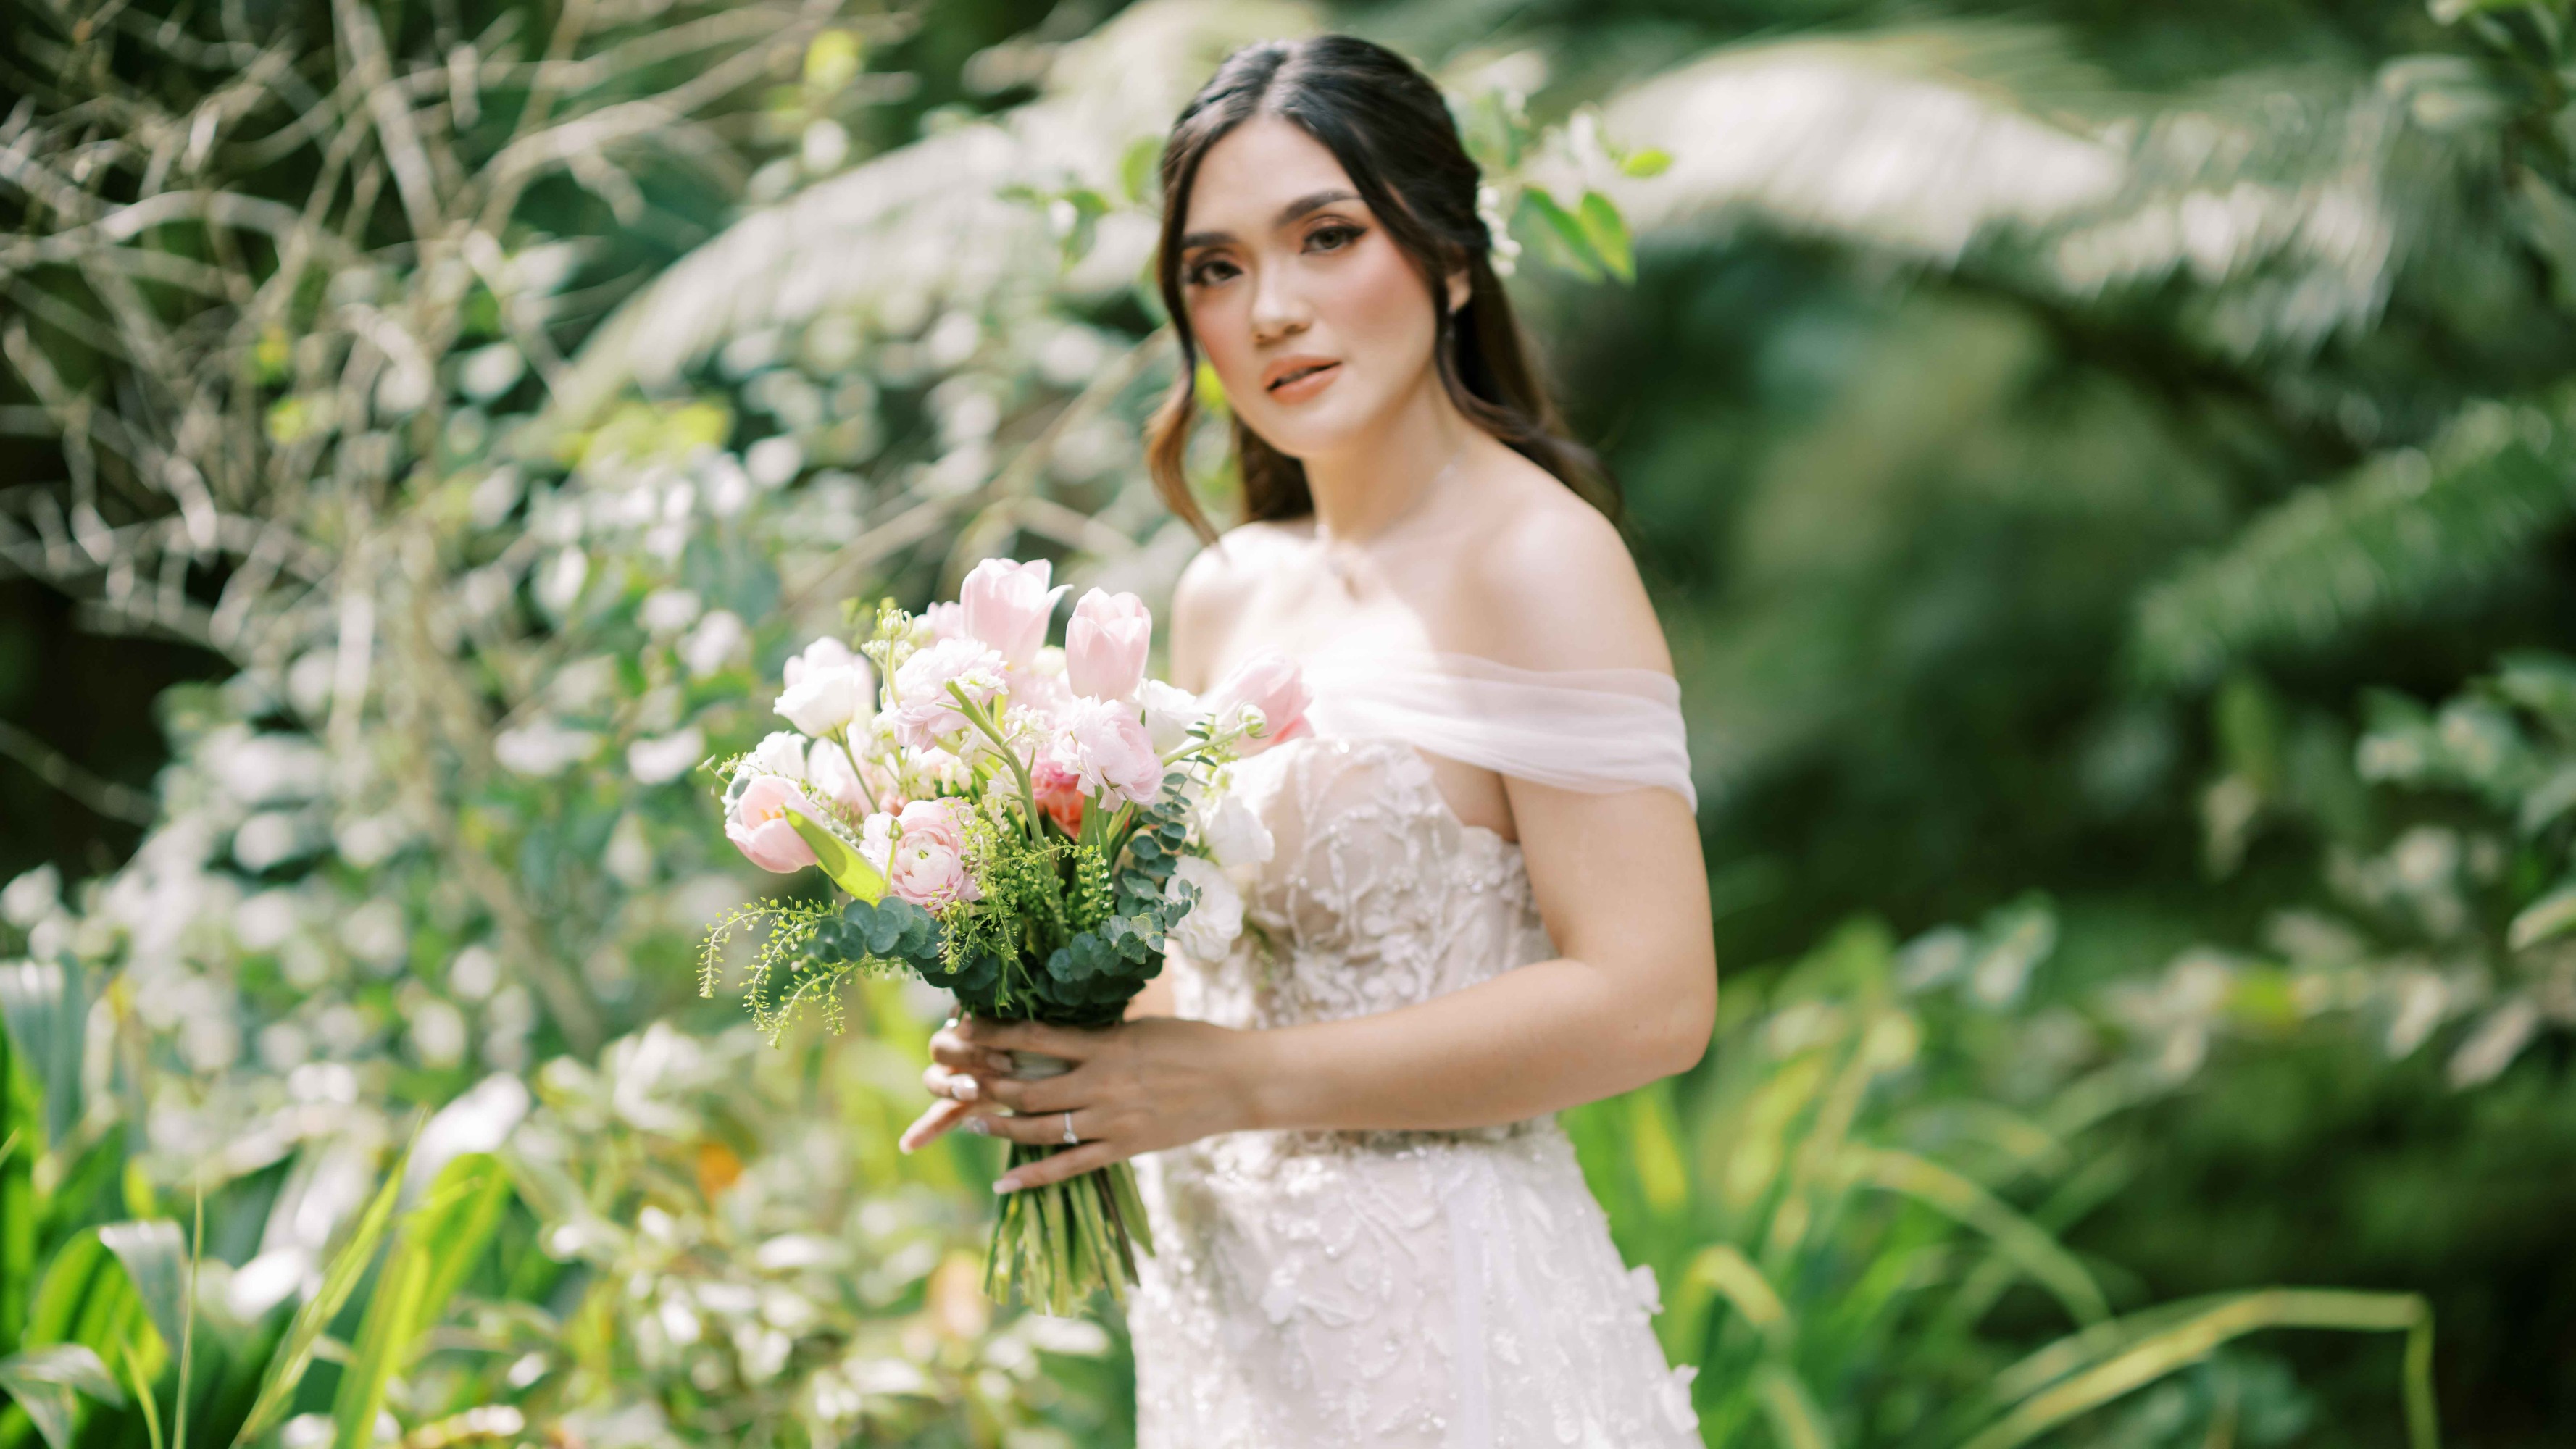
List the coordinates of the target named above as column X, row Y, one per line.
column 1460, row 288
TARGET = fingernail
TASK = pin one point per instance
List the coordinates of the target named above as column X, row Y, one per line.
column 1003, row 1185
column 964, row 1089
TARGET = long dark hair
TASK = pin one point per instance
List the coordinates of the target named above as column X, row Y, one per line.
column 1388, row 126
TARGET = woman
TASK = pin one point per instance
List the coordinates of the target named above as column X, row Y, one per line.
column 1485, row 899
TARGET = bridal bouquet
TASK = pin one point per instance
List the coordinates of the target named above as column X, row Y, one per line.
column 1022, row 825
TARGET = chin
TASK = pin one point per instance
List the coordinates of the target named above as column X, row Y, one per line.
column 1326, row 426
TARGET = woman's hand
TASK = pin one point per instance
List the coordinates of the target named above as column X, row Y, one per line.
column 1137, row 1086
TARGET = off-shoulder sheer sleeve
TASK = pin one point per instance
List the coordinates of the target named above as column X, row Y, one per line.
column 1593, row 730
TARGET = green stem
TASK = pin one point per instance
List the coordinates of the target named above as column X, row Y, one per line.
column 984, row 722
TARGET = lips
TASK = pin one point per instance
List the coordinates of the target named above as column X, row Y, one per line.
column 1288, row 373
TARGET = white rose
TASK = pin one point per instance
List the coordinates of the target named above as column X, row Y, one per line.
column 827, row 701
column 1169, row 713
column 829, row 689
column 780, row 753
column 1232, row 832
column 1208, row 931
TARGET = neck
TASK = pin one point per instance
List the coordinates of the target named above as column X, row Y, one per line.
column 1361, row 490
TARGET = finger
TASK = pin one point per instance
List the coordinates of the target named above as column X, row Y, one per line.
column 1041, row 1094
column 1071, row 1163
column 930, row 1126
column 1071, row 1043
column 963, row 1086
column 1043, row 1131
column 948, row 1051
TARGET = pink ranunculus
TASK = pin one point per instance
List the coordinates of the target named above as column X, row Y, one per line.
column 1106, row 749
column 829, row 771
column 946, row 621
column 927, row 862
column 1007, row 605
column 934, row 820
column 1104, row 646
column 930, row 875
column 1059, row 792
column 926, row 714
column 1272, row 683
column 759, row 826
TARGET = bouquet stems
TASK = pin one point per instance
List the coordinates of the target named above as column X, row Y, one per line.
column 1056, row 1243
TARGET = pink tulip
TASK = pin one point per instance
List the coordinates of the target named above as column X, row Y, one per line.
column 1104, row 646
column 760, row 829
column 1272, row 683
column 1007, row 606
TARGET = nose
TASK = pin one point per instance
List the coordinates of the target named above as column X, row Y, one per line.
column 1278, row 311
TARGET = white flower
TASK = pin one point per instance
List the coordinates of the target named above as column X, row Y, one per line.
column 829, row 689
column 1208, row 931
column 781, row 753
column 1232, row 832
column 1169, row 713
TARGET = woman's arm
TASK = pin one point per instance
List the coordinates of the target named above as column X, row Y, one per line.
column 1632, row 999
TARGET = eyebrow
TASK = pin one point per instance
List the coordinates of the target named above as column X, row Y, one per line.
column 1314, row 201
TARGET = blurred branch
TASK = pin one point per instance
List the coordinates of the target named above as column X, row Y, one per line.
column 106, row 797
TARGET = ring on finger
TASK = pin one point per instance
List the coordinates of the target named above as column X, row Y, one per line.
column 1069, row 1139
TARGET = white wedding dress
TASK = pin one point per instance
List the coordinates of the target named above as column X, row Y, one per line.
column 1314, row 1290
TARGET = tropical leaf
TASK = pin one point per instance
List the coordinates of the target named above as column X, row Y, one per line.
column 294, row 1353
column 438, row 1242
column 46, row 1381
column 156, row 1263
column 47, row 1011
column 2411, row 531
column 2100, row 1364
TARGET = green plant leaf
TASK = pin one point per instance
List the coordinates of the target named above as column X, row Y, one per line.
column 44, row 1381
column 1606, row 231
column 1651, row 161
column 1561, row 235
column 2091, row 1368
column 295, row 1352
column 2551, row 916
column 48, row 1013
column 156, row 1263
column 437, row 1244
column 848, row 869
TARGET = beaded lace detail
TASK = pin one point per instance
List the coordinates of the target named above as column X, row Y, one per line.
column 1314, row 1289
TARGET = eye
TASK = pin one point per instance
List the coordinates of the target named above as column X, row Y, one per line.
column 1207, row 270
column 1332, row 236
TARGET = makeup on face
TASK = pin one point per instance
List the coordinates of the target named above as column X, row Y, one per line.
column 1311, row 315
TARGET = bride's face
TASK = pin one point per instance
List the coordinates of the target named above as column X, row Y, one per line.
column 1314, row 319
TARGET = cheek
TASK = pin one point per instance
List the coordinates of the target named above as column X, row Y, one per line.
column 1224, row 336
column 1375, row 303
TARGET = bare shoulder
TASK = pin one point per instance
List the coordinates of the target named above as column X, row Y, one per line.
column 1213, row 592
column 1552, row 586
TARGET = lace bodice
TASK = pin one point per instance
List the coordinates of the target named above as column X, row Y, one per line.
column 1383, row 1288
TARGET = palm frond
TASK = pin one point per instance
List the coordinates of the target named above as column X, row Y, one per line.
column 2286, row 200
column 934, row 222
column 2410, row 530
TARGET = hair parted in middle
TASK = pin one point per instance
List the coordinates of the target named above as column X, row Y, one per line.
column 1391, row 130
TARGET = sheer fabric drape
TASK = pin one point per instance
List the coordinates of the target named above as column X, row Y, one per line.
column 1594, row 730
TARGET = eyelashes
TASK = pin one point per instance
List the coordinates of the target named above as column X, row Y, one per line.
column 1330, row 237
